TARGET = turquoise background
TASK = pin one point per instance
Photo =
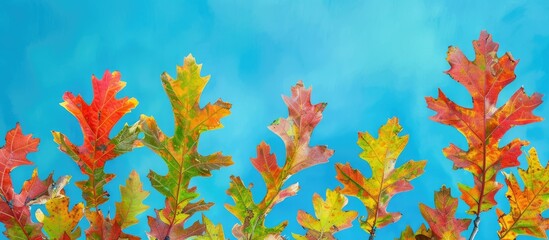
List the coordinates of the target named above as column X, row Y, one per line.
column 370, row 60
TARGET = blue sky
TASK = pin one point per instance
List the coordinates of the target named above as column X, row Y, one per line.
column 370, row 60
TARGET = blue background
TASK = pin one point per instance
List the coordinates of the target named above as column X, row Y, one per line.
column 370, row 60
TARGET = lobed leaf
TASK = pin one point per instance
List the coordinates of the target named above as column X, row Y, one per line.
column 526, row 205
column 61, row 221
column 441, row 219
column 96, row 121
column 484, row 124
column 15, row 208
column 131, row 205
column 386, row 180
column 295, row 131
column 330, row 216
column 133, row 195
column 180, row 152
column 421, row 234
column 212, row 231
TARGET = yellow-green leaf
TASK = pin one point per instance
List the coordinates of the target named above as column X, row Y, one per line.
column 61, row 220
column 526, row 205
column 180, row 152
column 330, row 216
column 386, row 180
column 131, row 205
column 212, row 232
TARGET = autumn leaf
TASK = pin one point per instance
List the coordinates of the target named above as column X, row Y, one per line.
column 61, row 221
column 180, row 152
column 484, row 124
column 421, row 234
column 249, row 213
column 295, row 131
column 386, row 180
column 103, row 227
column 176, row 231
column 441, row 219
column 526, row 205
column 330, row 217
column 96, row 121
column 133, row 195
column 131, row 205
column 212, row 231
column 15, row 208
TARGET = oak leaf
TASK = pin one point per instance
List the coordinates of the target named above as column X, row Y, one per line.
column 386, row 180
column 295, row 131
column 441, row 219
column 330, row 217
column 484, row 124
column 131, row 205
column 526, row 205
column 180, row 152
column 212, row 232
column 421, row 234
column 61, row 221
column 96, row 121
column 15, row 208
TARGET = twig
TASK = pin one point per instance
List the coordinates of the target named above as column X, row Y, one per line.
column 373, row 233
column 475, row 229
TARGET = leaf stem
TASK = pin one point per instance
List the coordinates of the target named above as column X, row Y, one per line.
column 475, row 229
column 372, row 233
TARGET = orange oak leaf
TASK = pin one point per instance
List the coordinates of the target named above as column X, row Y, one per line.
column 96, row 121
column 386, row 180
column 180, row 151
column 526, row 205
column 442, row 219
column 15, row 208
column 295, row 131
column 484, row 124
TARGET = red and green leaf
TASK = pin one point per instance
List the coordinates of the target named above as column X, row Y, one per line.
column 441, row 219
column 484, row 124
column 15, row 208
column 131, row 205
column 96, row 121
column 180, row 152
column 295, row 131
column 330, row 217
column 526, row 205
column 386, row 180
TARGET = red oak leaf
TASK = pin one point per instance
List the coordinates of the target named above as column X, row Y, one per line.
column 295, row 131
column 96, row 121
column 484, row 124
column 15, row 208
